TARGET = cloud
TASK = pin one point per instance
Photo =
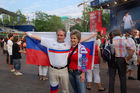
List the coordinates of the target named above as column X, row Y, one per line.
column 72, row 11
column 44, row 6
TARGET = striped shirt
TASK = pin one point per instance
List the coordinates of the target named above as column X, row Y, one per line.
column 121, row 46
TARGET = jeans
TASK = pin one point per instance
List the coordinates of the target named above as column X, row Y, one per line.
column 11, row 59
column 76, row 83
column 17, row 64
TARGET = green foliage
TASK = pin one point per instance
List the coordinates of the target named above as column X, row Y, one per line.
column 106, row 20
column 22, row 18
column 45, row 22
column 76, row 26
column 0, row 21
column 10, row 20
column 5, row 19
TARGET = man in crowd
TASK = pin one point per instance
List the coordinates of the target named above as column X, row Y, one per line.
column 9, row 48
column 58, row 72
column 58, row 50
column 128, row 23
column 122, row 49
column 133, row 61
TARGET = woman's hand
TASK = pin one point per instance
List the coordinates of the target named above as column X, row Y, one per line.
column 82, row 77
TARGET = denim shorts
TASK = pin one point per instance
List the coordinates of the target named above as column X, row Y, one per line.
column 17, row 64
column 11, row 60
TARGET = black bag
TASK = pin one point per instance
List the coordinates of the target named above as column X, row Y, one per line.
column 69, row 58
column 109, row 52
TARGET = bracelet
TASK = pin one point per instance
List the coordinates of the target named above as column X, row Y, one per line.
column 29, row 34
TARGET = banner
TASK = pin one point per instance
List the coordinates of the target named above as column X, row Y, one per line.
column 38, row 54
column 95, row 19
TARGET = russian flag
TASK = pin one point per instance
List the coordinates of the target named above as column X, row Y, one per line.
column 90, row 45
column 38, row 54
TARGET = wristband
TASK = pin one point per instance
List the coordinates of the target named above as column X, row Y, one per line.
column 29, row 34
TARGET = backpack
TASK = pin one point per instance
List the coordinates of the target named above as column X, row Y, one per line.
column 109, row 52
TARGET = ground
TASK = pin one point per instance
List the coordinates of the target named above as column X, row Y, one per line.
column 30, row 83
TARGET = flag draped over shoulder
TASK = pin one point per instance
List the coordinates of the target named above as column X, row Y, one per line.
column 38, row 54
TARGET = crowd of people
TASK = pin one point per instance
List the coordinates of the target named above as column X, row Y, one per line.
column 64, row 65
column 13, row 46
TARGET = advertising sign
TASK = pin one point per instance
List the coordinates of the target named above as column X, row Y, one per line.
column 95, row 19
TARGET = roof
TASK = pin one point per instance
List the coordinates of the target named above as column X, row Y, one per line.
column 7, row 12
column 64, row 18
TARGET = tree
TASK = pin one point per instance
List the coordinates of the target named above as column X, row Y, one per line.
column 6, row 20
column 54, row 23
column 12, row 20
column 76, row 26
column 21, row 19
column 0, row 21
column 45, row 22
column 106, row 20
column 41, row 21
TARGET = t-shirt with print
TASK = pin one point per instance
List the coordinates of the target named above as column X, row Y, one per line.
column 57, row 52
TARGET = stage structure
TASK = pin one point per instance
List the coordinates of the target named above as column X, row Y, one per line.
column 118, row 8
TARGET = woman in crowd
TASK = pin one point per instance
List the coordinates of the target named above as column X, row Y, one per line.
column 138, row 72
column 96, row 70
column 17, row 56
column 5, row 50
column 138, row 57
column 76, row 75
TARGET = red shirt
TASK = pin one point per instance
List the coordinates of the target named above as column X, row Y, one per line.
column 74, row 59
column 103, row 40
column 96, row 57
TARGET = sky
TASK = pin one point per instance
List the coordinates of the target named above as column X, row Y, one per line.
column 51, row 7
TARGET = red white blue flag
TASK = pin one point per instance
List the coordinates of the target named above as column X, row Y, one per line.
column 38, row 54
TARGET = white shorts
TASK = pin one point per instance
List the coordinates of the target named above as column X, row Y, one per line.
column 96, row 73
column 132, row 63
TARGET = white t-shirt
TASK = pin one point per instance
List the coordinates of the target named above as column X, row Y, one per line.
column 58, row 52
column 9, row 47
column 127, row 23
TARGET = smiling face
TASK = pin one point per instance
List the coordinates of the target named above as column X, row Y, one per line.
column 74, row 40
column 60, row 36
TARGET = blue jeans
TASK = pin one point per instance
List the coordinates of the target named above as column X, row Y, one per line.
column 76, row 83
column 17, row 64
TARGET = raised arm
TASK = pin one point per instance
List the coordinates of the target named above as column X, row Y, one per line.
column 99, row 54
column 89, row 37
column 124, row 19
column 33, row 36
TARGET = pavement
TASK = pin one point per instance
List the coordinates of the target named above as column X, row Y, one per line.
column 30, row 83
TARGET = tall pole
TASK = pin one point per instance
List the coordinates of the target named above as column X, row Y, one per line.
column 84, row 11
